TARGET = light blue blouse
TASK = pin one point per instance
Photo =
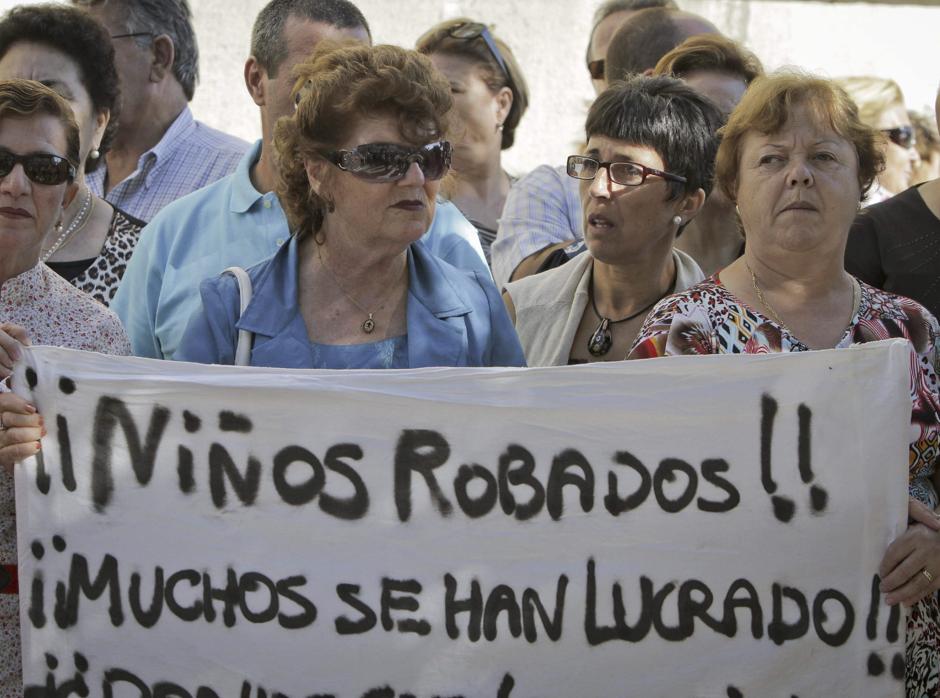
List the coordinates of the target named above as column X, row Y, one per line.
column 455, row 317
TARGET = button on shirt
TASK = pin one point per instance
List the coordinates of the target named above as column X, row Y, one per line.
column 230, row 223
column 190, row 156
column 542, row 209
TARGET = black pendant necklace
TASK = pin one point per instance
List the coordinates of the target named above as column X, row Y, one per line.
column 601, row 340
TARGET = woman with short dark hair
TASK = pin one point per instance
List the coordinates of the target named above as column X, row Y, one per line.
column 66, row 49
column 796, row 159
column 647, row 166
column 361, row 161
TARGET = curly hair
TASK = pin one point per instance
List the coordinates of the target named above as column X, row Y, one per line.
column 437, row 40
column 85, row 41
column 768, row 104
column 27, row 98
column 337, row 86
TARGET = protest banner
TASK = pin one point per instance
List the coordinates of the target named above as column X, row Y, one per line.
column 693, row 526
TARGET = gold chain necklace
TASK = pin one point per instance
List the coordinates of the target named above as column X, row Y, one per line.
column 856, row 298
column 368, row 325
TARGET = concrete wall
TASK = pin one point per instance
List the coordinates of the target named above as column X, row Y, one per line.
column 549, row 39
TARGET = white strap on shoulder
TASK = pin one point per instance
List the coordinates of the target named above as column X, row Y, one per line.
column 245, row 337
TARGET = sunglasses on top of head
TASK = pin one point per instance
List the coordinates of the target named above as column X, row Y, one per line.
column 389, row 162
column 628, row 174
column 596, row 69
column 468, row 31
column 902, row 136
column 40, row 168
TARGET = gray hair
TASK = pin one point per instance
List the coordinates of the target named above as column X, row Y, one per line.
column 267, row 37
column 170, row 17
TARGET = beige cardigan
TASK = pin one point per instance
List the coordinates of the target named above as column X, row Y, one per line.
column 549, row 306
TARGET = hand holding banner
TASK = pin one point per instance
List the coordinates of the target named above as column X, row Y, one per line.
column 707, row 526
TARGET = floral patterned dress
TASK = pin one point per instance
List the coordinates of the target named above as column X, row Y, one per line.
column 709, row 319
column 53, row 312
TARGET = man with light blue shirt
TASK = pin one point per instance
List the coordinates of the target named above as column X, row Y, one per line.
column 160, row 152
column 231, row 222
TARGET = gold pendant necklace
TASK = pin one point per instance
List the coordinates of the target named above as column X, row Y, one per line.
column 856, row 299
column 368, row 325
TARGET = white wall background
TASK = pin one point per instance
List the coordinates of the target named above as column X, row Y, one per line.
column 549, row 39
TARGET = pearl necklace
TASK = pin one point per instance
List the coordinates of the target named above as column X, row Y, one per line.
column 81, row 218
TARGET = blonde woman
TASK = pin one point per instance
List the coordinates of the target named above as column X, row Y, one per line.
column 881, row 107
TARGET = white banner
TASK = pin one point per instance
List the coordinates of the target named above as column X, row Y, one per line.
column 707, row 526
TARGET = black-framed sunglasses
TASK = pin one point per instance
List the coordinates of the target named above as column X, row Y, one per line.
column 902, row 135
column 469, row 31
column 389, row 162
column 596, row 69
column 40, row 168
column 629, row 174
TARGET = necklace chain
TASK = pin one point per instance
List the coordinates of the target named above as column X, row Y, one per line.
column 368, row 325
column 81, row 218
column 856, row 297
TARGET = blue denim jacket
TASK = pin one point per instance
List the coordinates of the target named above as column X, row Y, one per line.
column 454, row 317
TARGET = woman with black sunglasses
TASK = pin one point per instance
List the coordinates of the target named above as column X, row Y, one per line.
column 895, row 244
column 39, row 149
column 881, row 107
column 644, row 175
column 361, row 161
column 490, row 97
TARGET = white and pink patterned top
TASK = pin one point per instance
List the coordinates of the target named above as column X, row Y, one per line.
column 53, row 312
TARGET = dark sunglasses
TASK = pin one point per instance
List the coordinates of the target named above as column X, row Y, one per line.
column 468, row 31
column 596, row 69
column 629, row 174
column 40, row 168
column 389, row 162
column 902, row 136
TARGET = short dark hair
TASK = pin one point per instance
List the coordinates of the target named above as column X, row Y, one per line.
column 267, row 37
column 667, row 115
column 170, row 17
column 639, row 44
column 437, row 40
column 85, row 41
column 27, row 98
column 614, row 6
column 336, row 87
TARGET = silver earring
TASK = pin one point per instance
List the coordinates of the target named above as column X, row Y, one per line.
column 677, row 220
column 499, row 128
column 94, row 154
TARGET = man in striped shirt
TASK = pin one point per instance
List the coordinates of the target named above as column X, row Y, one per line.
column 160, row 151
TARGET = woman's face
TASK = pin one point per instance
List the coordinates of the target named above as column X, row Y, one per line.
column 44, row 63
column 899, row 162
column 724, row 89
column 375, row 214
column 798, row 189
column 479, row 110
column 623, row 222
column 28, row 211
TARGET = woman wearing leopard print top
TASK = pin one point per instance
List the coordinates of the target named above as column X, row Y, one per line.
column 65, row 49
